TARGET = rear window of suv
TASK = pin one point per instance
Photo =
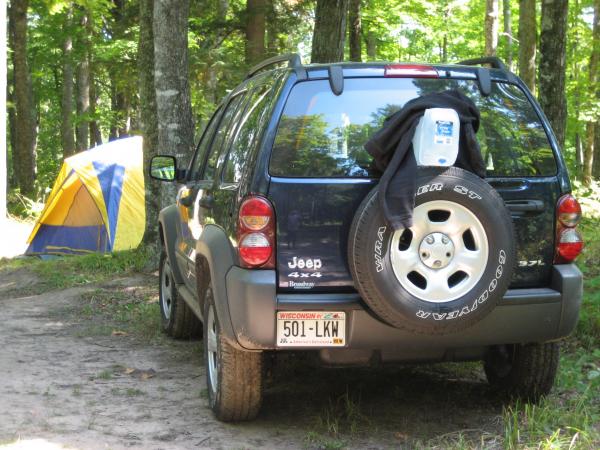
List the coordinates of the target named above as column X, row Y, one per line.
column 323, row 135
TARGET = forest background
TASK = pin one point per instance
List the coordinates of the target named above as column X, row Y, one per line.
column 83, row 72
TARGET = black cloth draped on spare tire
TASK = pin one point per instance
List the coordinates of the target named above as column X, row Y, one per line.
column 431, row 249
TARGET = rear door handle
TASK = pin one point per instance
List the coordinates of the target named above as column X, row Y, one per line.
column 525, row 205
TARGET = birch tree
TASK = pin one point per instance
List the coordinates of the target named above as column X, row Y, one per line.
column 527, row 42
column 173, row 103
column 491, row 27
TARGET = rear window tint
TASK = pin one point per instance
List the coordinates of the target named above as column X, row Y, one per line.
column 323, row 135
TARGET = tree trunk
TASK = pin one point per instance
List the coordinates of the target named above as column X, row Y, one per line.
column 255, row 31
column 12, row 112
column 371, row 46
column 82, row 134
column 12, row 127
column 95, row 132
column 354, row 30
column 329, row 35
column 3, row 114
column 553, row 63
column 113, row 130
column 25, row 126
column 491, row 27
column 211, row 78
column 66, row 126
column 578, row 155
column 272, row 44
column 506, row 15
column 594, row 95
column 527, row 42
column 173, row 101
column 148, row 121
column 596, row 168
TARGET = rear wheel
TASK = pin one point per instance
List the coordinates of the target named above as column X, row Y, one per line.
column 177, row 319
column 234, row 377
column 527, row 371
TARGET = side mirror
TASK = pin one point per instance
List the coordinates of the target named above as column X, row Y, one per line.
column 163, row 168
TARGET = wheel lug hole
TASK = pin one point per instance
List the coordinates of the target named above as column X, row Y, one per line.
column 425, row 255
column 448, row 254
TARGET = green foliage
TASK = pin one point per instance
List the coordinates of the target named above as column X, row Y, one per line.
column 567, row 418
column 69, row 271
column 23, row 207
column 429, row 31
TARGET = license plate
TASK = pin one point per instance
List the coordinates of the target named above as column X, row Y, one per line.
column 311, row 329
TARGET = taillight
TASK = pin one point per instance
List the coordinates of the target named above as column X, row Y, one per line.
column 410, row 71
column 256, row 233
column 569, row 242
column 569, row 211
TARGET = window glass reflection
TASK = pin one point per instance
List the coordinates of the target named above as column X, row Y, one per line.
column 322, row 135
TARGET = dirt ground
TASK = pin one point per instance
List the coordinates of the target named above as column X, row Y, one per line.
column 71, row 377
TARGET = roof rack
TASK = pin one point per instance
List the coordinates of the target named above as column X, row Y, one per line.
column 293, row 59
column 493, row 61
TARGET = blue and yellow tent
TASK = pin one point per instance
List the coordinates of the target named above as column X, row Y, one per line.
column 96, row 204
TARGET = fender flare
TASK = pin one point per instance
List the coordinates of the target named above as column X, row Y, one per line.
column 168, row 220
column 215, row 248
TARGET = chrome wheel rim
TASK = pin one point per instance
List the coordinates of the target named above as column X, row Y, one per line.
column 212, row 349
column 166, row 297
column 443, row 255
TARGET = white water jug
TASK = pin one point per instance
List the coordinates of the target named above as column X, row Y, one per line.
column 435, row 142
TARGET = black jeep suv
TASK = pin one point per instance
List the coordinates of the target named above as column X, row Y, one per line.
column 277, row 242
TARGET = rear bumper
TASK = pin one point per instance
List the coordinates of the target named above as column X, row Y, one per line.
column 524, row 315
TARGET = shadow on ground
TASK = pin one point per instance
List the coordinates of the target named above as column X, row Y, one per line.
column 402, row 403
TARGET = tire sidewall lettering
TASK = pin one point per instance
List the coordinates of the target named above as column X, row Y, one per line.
column 396, row 301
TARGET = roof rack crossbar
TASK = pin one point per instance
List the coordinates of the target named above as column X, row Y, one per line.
column 293, row 60
column 493, row 61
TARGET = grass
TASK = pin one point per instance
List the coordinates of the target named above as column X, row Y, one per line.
column 70, row 271
column 569, row 418
column 123, row 311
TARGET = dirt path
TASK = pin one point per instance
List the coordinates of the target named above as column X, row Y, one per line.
column 69, row 377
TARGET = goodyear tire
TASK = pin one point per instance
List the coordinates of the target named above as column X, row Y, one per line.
column 524, row 371
column 177, row 319
column 234, row 377
column 446, row 272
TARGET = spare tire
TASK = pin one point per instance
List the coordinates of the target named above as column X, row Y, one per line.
column 447, row 271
